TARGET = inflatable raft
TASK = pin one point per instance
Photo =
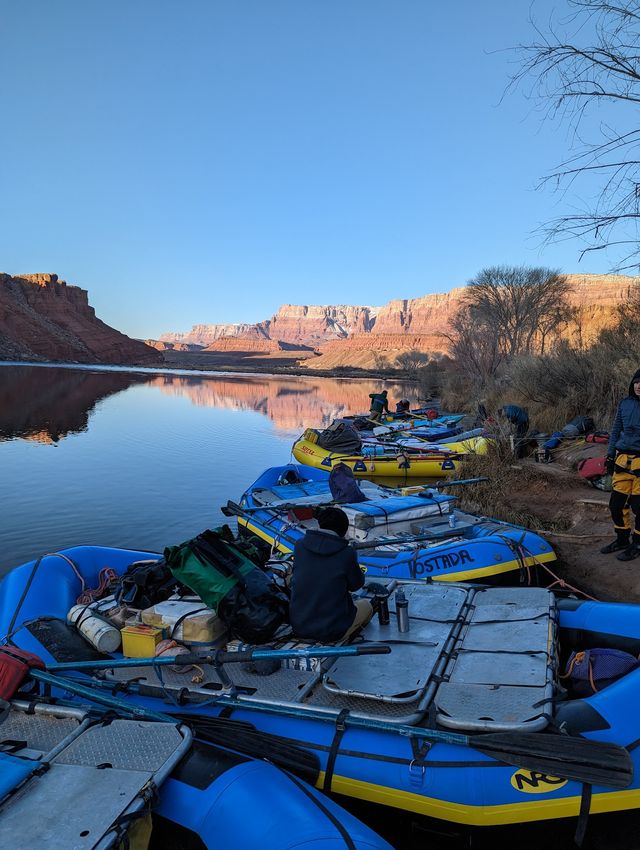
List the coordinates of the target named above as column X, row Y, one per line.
column 398, row 533
column 459, row 721
column 93, row 778
column 388, row 461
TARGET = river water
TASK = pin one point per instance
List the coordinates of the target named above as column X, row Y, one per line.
column 144, row 459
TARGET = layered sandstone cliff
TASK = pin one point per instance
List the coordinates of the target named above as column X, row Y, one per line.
column 160, row 345
column 229, row 343
column 306, row 325
column 42, row 318
column 365, row 336
column 204, row 335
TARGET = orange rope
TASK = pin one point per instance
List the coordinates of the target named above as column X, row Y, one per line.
column 105, row 577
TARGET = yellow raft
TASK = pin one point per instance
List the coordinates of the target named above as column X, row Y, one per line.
column 386, row 463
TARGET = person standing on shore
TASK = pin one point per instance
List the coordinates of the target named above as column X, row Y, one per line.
column 518, row 420
column 379, row 405
column 623, row 461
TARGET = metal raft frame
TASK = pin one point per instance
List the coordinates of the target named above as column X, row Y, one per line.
column 94, row 775
column 475, row 659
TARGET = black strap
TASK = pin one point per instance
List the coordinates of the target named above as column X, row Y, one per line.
column 333, row 752
column 12, row 745
column 583, row 816
column 27, row 586
column 183, row 617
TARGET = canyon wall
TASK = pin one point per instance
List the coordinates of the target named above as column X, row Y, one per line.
column 42, row 318
column 366, row 337
column 306, row 325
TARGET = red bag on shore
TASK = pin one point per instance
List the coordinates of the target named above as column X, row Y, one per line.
column 597, row 437
column 592, row 467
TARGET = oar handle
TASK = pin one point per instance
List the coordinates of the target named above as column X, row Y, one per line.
column 315, row 652
column 89, row 693
column 224, row 657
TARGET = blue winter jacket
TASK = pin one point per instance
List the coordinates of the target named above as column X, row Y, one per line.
column 625, row 431
column 515, row 414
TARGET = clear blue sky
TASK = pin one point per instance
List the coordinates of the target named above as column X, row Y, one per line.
column 208, row 160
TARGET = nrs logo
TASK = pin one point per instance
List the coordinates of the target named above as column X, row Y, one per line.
column 534, row 782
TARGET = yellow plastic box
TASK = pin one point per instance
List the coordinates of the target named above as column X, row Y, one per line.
column 140, row 641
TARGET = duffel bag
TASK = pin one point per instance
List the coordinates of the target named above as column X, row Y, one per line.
column 592, row 467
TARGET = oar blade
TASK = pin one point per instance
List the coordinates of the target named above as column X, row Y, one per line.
column 564, row 756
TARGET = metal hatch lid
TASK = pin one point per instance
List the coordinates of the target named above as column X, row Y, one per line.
column 500, row 673
column 403, row 675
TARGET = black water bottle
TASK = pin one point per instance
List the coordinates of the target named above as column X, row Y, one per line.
column 382, row 604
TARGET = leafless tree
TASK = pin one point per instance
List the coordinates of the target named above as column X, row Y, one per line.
column 412, row 361
column 380, row 361
column 474, row 346
column 574, row 68
column 522, row 307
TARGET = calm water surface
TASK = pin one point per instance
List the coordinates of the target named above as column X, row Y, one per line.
column 142, row 459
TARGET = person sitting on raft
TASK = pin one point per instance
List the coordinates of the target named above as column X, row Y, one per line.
column 623, row 461
column 403, row 406
column 379, row 405
column 325, row 573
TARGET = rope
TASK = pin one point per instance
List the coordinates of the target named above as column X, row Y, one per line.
column 89, row 595
column 564, row 585
column 571, row 536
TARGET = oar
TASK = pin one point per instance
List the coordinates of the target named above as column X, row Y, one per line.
column 222, row 657
column 460, row 481
column 429, row 449
column 233, row 509
column 236, row 735
column 86, row 691
column 566, row 757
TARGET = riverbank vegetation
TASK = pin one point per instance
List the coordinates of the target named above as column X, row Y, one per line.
column 516, row 340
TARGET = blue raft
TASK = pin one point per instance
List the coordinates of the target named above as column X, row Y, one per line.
column 405, row 533
column 228, row 799
column 410, row 729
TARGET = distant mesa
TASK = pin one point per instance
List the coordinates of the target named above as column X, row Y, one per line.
column 43, row 319
column 266, row 346
column 161, row 345
column 367, row 337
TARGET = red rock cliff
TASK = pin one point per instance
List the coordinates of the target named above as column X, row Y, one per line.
column 405, row 323
column 42, row 318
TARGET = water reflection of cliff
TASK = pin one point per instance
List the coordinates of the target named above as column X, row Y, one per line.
column 47, row 404
column 292, row 403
